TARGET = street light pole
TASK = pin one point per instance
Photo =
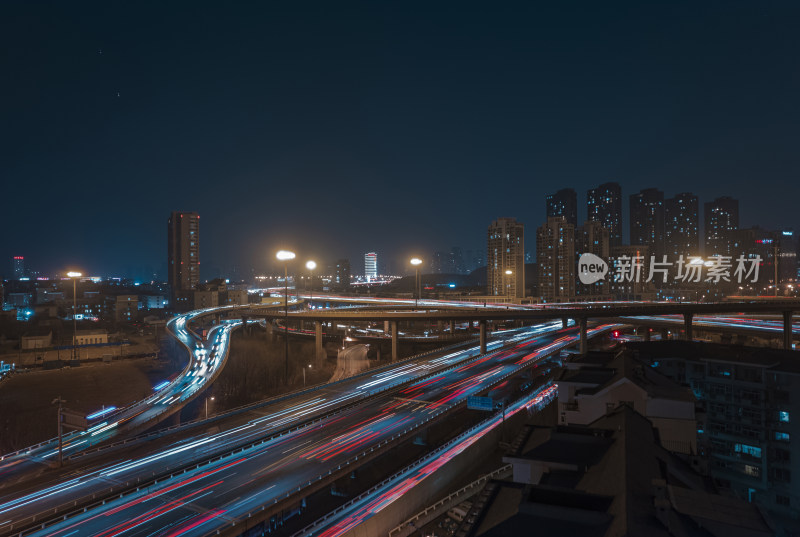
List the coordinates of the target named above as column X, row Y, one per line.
column 74, row 276
column 509, row 272
column 285, row 256
column 207, row 398
column 775, row 263
column 311, row 265
column 416, row 261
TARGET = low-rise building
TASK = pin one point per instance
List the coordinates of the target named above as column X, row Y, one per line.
column 206, row 299
column 123, row 308
column 91, row 337
column 153, row 302
column 593, row 385
column 234, row 297
column 40, row 339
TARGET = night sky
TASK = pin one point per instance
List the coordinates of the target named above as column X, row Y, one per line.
column 338, row 128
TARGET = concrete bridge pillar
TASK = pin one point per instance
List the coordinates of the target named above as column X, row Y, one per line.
column 439, row 326
column 647, row 333
column 452, row 327
column 270, row 334
column 687, row 326
column 394, row 341
column 385, row 327
column 320, row 352
column 483, row 336
column 664, row 334
column 564, row 322
column 787, row 330
column 583, row 347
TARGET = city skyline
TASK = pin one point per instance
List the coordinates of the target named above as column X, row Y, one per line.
column 256, row 151
column 649, row 226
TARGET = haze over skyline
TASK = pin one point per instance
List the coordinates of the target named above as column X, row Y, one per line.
column 337, row 130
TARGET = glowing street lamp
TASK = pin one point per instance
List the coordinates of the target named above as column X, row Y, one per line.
column 285, row 256
column 416, row 261
column 74, row 276
column 311, row 265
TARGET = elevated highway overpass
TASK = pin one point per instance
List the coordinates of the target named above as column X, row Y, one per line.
column 581, row 313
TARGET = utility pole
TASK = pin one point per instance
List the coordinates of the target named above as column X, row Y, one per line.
column 286, row 323
column 775, row 262
column 58, row 400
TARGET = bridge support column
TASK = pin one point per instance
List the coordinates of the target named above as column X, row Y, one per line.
column 564, row 322
column 385, row 327
column 439, row 326
column 270, row 334
column 647, row 333
column 483, row 336
column 787, row 330
column 664, row 334
column 687, row 326
column 394, row 341
column 452, row 327
column 320, row 352
column 584, row 344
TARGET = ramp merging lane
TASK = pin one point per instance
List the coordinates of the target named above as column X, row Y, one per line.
column 206, row 360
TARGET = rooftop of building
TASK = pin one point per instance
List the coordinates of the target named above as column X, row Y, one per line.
column 38, row 332
column 613, row 478
column 774, row 359
column 602, row 370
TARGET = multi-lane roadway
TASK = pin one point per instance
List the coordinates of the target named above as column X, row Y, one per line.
column 228, row 488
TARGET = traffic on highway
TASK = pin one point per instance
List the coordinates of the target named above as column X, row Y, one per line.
column 276, row 468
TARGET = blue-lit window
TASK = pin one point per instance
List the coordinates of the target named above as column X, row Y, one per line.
column 783, row 416
column 753, row 451
column 781, row 436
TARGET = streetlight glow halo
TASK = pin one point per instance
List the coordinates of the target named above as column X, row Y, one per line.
column 311, row 265
column 416, row 261
column 285, row 255
column 73, row 274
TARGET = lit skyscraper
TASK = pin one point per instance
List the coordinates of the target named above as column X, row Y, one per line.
column 592, row 238
column 682, row 225
column 563, row 203
column 371, row 266
column 721, row 220
column 18, row 264
column 647, row 220
column 183, row 258
column 604, row 205
column 506, row 252
column 555, row 259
